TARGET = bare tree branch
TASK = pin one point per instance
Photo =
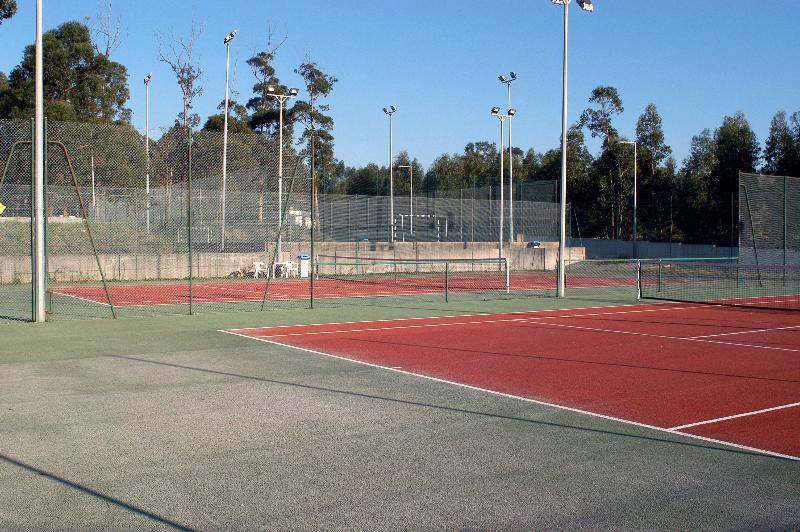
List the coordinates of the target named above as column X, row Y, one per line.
column 179, row 54
column 106, row 29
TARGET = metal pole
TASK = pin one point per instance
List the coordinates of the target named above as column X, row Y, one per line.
column 280, row 179
column 189, row 218
column 39, row 169
column 94, row 195
column 411, row 169
column 510, row 176
column 225, row 143
column 562, row 237
column 147, row 148
column 635, row 199
column 391, row 183
column 502, row 153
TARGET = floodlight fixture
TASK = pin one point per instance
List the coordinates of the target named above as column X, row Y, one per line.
column 293, row 92
column 495, row 111
column 390, row 110
column 513, row 75
column 586, row 5
column 148, row 78
column 271, row 88
column 230, row 36
column 502, row 79
column 512, row 112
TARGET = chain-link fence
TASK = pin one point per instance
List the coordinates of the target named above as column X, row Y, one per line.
column 433, row 218
column 16, row 204
column 136, row 226
column 769, row 220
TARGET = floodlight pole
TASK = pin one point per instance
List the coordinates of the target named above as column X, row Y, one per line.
column 389, row 112
column 635, row 145
column 562, row 237
column 411, row 190
column 508, row 82
column 562, row 226
column 282, row 102
column 502, row 119
column 227, row 41
column 147, row 145
column 39, row 278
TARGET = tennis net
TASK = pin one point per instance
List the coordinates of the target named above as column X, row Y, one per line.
column 345, row 278
column 721, row 282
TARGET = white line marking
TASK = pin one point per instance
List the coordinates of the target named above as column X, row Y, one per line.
column 665, row 304
column 745, row 414
column 449, row 324
column 681, row 338
column 80, row 298
column 746, row 332
column 525, row 399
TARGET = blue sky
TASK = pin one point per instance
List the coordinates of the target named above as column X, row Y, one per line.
column 438, row 61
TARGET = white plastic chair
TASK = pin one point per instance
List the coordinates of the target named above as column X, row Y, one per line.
column 259, row 267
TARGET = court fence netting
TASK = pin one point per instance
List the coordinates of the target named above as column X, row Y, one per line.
column 136, row 227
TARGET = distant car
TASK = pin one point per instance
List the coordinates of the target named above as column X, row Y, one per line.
column 534, row 244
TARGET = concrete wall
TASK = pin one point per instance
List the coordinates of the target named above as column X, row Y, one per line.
column 597, row 248
column 130, row 267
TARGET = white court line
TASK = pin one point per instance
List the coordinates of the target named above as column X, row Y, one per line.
column 450, row 324
column 525, row 399
column 80, row 298
column 517, row 312
column 666, row 337
column 745, row 414
column 752, row 331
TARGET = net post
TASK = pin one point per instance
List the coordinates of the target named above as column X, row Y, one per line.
column 446, row 281
column 639, row 279
column 508, row 277
column 660, row 272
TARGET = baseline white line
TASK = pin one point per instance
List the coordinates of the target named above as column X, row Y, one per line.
column 525, row 399
column 726, row 418
column 80, row 298
column 753, row 331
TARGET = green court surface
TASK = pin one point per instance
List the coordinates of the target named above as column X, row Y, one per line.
column 164, row 422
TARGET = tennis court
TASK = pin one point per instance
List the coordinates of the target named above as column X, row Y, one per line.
column 148, row 294
column 723, row 374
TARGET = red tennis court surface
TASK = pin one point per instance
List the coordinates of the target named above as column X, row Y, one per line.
column 291, row 289
column 725, row 374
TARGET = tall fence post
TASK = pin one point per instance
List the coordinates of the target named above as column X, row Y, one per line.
column 189, row 216
column 33, row 216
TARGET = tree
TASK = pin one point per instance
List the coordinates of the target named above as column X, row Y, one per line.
column 402, row 183
column 610, row 168
column 318, row 125
column 265, row 109
column 80, row 84
column 599, row 119
column 8, row 9
column 655, row 179
column 179, row 54
column 782, row 149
